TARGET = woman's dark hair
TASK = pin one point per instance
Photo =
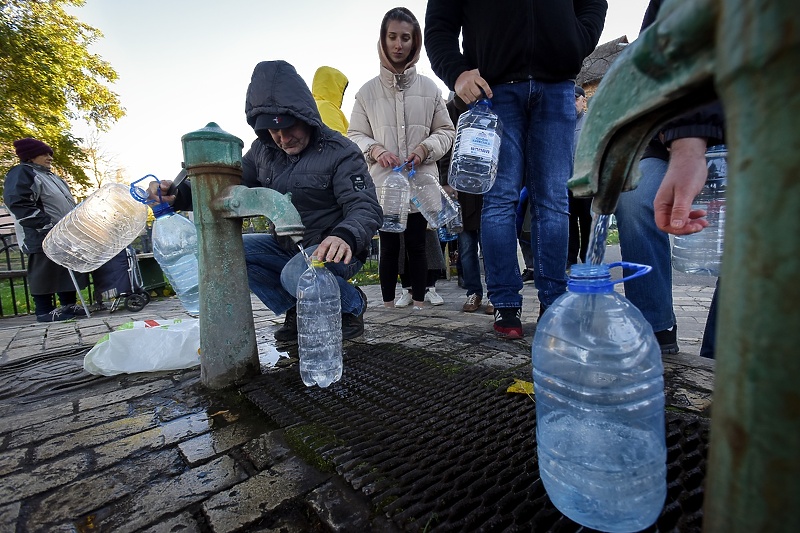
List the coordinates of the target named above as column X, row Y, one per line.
column 403, row 15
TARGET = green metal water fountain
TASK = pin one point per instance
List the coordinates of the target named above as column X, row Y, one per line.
column 213, row 161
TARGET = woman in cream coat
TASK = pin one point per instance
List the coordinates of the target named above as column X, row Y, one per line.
column 400, row 118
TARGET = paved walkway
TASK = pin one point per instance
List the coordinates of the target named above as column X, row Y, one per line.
column 159, row 452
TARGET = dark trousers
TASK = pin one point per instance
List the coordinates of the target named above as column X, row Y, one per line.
column 710, row 333
column 580, row 228
column 388, row 266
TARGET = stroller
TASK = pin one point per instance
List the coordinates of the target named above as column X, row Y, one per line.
column 120, row 279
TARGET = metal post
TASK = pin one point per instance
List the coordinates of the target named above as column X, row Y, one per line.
column 753, row 481
column 228, row 350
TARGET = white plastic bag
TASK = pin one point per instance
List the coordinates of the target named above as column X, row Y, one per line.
column 146, row 346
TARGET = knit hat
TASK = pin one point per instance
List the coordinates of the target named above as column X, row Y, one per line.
column 29, row 148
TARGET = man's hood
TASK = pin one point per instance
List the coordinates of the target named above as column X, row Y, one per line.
column 276, row 88
column 329, row 84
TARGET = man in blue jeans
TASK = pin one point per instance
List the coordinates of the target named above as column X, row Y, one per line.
column 524, row 55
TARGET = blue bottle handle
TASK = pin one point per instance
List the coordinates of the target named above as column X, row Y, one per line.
column 140, row 194
column 640, row 270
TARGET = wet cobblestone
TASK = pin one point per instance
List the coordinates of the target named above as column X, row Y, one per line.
column 158, row 452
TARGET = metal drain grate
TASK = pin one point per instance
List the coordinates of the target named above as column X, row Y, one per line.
column 438, row 445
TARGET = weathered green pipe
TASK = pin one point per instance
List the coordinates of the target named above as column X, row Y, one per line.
column 213, row 160
column 239, row 201
column 748, row 52
column 754, row 463
column 661, row 74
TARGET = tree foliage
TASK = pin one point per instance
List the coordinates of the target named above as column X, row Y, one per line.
column 48, row 79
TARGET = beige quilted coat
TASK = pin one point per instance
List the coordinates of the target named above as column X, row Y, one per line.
column 403, row 113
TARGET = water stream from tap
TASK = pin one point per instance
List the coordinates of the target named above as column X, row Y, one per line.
column 597, row 239
column 594, row 256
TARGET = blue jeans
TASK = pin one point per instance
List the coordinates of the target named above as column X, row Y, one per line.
column 265, row 259
column 470, row 263
column 536, row 151
column 642, row 242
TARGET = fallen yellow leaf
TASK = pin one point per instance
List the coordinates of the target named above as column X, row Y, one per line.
column 521, row 387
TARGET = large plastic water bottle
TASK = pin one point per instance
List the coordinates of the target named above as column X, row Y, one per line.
column 701, row 253
column 393, row 196
column 319, row 326
column 473, row 166
column 174, row 247
column 97, row 229
column 599, row 387
column 175, row 250
column 430, row 199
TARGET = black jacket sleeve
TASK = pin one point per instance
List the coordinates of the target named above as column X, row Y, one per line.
column 707, row 122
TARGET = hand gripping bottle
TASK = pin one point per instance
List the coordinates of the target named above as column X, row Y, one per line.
column 473, row 166
column 319, row 326
column 393, row 196
column 175, row 249
column 96, row 230
column 430, row 199
column 598, row 380
column 701, row 253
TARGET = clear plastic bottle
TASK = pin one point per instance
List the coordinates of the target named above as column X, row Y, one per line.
column 319, row 326
column 701, row 253
column 476, row 149
column 599, row 387
column 393, row 196
column 97, row 229
column 175, row 250
column 430, row 199
column 449, row 232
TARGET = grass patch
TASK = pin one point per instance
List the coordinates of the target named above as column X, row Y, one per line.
column 306, row 439
column 368, row 275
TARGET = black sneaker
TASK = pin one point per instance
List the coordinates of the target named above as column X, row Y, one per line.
column 77, row 310
column 527, row 276
column 288, row 332
column 668, row 340
column 56, row 315
column 507, row 322
column 353, row 325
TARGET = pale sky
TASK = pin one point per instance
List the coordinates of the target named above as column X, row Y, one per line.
column 185, row 63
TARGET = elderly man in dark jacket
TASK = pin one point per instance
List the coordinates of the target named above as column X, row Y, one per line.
column 330, row 185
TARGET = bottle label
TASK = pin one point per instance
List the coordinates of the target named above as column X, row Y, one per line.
column 478, row 143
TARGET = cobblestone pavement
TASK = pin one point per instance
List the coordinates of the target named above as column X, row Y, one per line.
column 160, row 452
